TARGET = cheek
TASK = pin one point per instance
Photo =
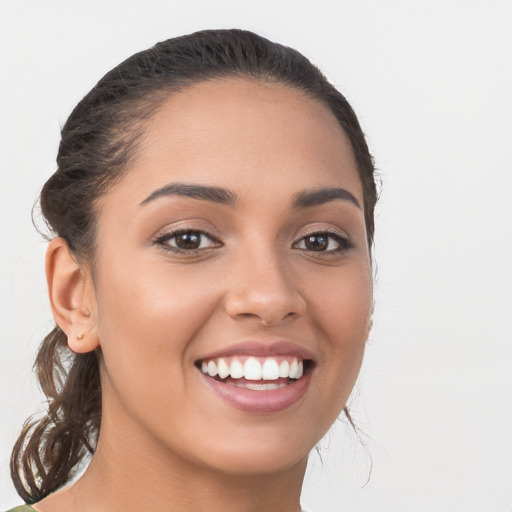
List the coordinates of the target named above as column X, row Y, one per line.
column 343, row 306
column 343, row 315
column 148, row 318
column 155, row 302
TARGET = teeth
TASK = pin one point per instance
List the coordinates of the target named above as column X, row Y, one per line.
column 259, row 387
column 284, row 369
column 212, row 369
column 253, row 369
column 300, row 371
column 294, row 369
column 270, row 370
column 236, row 369
column 223, row 369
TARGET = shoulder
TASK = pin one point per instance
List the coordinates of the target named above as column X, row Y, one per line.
column 22, row 508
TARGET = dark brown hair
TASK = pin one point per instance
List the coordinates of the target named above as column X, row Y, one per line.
column 97, row 144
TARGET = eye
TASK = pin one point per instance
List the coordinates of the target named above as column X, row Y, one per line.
column 187, row 241
column 325, row 242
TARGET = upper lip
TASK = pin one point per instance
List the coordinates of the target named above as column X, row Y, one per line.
column 261, row 349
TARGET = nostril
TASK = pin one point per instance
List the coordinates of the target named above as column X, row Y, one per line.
column 271, row 320
column 248, row 315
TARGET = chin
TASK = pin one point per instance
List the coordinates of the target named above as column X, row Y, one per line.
column 259, row 451
column 264, row 461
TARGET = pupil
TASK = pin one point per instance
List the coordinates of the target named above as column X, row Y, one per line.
column 317, row 242
column 188, row 240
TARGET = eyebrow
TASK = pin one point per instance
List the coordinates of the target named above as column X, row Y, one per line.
column 204, row 193
column 305, row 199
column 310, row 198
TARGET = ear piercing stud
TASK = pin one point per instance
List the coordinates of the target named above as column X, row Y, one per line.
column 80, row 337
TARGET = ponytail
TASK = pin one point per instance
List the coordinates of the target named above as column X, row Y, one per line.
column 49, row 449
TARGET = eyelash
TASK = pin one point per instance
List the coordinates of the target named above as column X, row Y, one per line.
column 344, row 243
column 164, row 239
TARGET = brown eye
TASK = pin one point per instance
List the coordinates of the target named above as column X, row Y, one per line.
column 324, row 242
column 188, row 241
column 316, row 242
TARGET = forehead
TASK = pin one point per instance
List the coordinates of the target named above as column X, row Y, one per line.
column 245, row 135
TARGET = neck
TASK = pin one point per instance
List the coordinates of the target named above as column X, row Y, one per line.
column 144, row 475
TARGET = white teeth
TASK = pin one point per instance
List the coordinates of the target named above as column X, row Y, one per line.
column 212, row 369
column 236, row 369
column 270, row 370
column 252, row 369
column 284, row 369
column 223, row 369
column 294, row 369
column 259, row 387
column 300, row 371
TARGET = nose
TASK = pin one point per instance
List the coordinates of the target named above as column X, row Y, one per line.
column 263, row 288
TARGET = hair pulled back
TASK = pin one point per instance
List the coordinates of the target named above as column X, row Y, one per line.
column 98, row 142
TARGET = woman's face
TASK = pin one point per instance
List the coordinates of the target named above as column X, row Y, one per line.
column 235, row 243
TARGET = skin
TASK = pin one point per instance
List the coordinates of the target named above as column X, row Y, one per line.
column 166, row 438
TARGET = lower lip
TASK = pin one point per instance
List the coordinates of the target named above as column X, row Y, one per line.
column 266, row 401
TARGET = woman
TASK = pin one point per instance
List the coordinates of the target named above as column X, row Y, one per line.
column 210, row 278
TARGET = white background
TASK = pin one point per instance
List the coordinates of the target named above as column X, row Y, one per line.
column 431, row 82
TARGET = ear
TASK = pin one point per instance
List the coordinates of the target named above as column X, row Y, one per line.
column 72, row 297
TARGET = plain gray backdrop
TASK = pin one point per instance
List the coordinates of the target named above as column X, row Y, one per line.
column 431, row 81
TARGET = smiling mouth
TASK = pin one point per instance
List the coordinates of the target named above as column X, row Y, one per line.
column 255, row 373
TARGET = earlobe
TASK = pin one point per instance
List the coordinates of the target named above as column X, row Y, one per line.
column 71, row 297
